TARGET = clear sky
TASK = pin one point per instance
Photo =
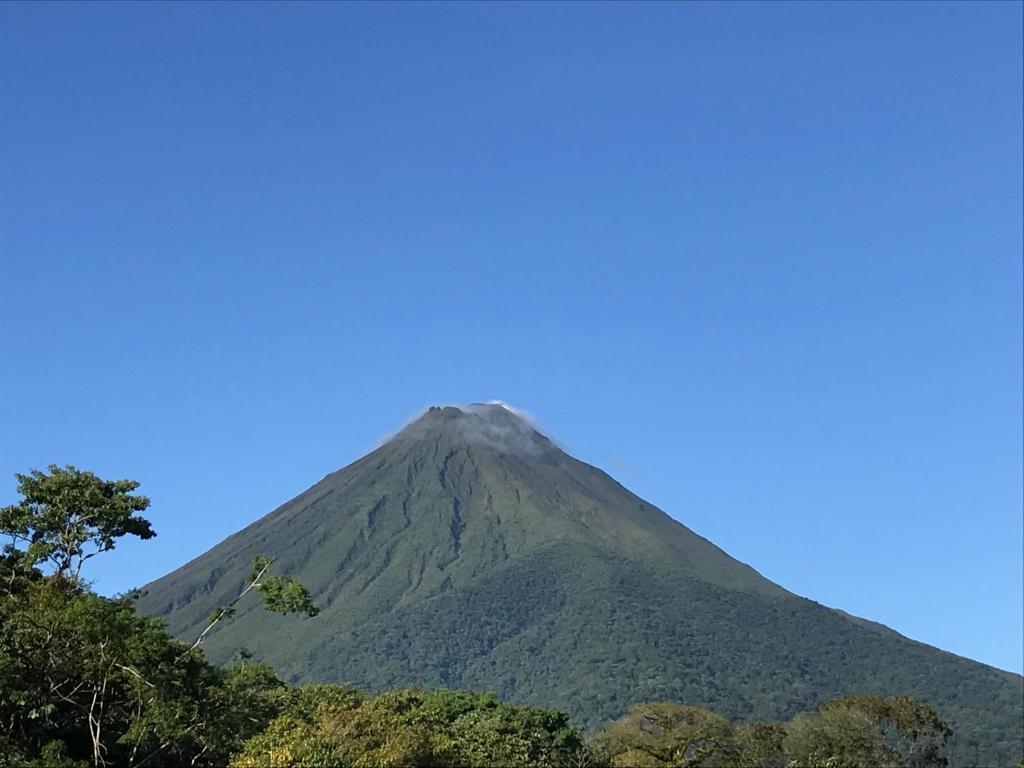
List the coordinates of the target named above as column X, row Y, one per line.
column 762, row 263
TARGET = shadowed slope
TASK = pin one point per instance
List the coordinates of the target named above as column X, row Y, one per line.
column 470, row 551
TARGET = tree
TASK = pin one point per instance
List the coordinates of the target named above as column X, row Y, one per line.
column 85, row 680
column 663, row 734
column 111, row 687
column 840, row 738
column 868, row 732
column 762, row 746
column 910, row 729
column 68, row 516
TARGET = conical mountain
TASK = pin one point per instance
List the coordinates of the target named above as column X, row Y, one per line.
column 469, row 551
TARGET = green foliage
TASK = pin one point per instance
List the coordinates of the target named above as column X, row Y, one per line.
column 68, row 516
column 663, row 735
column 51, row 755
column 849, row 732
column 305, row 701
column 108, row 685
column 867, row 731
column 912, row 730
column 843, row 738
column 281, row 594
column 85, row 680
column 412, row 728
column 761, row 746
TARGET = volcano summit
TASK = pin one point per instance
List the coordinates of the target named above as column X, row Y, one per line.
column 470, row 551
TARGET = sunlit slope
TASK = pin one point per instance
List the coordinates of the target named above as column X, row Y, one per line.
column 469, row 551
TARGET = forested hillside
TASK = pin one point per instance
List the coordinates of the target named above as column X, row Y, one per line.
column 469, row 551
column 86, row 681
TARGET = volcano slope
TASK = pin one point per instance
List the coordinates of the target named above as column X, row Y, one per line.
column 469, row 551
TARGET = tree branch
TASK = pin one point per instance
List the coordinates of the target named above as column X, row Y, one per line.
column 224, row 611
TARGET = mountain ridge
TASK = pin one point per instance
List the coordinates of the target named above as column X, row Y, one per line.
column 469, row 550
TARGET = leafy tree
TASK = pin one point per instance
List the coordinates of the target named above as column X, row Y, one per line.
column 303, row 732
column 113, row 688
column 481, row 730
column 85, row 680
column 663, row 734
column 912, row 730
column 839, row 738
column 68, row 516
column 869, row 731
column 761, row 746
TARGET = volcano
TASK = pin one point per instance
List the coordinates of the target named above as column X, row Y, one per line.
column 470, row 551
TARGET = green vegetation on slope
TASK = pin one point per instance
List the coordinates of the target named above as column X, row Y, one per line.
column 86, row 681
column 646, row 639
column 469, row 551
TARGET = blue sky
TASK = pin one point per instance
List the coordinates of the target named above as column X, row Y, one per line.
column 760, row 262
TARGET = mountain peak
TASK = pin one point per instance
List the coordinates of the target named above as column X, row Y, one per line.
column 494, row 424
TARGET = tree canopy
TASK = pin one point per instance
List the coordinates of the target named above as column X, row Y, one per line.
column 847, row 732
column 85, row 680
column 67, row 516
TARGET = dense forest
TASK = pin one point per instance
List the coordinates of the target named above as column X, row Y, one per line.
column 86, row 680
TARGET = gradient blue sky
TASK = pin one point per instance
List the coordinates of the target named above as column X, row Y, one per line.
column 763, row 263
